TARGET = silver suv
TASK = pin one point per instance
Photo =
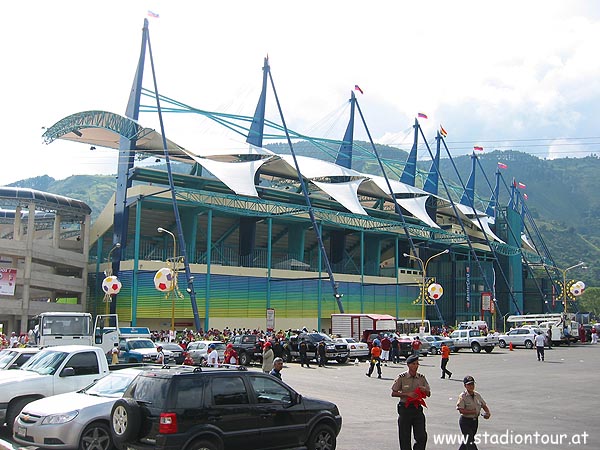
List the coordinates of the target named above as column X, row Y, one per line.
column 523, row 336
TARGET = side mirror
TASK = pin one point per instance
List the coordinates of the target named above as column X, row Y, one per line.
column 67, row 372
column 298, row 399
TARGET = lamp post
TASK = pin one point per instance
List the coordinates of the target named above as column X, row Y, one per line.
column 162, row 230
column 108, row 272
column 564, row 280
column 424, row 271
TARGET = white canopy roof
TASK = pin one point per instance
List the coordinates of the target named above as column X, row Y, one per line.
column 344, row 193
column 416, row 206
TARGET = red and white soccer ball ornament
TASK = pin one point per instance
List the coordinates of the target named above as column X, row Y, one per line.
column 577, row 288
column 435, row 291
column 164, row 280
column 111, row 285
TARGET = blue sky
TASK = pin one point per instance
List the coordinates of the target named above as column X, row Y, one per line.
column 504, row 75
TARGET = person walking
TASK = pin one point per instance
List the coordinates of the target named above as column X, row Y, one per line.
column 539, row 341
column 160, row 358
column 412, row 388
column 594, row 335
column 395, row 352
column 230, row 355
column 277, row 366
column 115, row 354
column 303, row 350
column 375, row 359
column 416, row 345
column 549, row 334
column 469, row 405
column 212, row 356
column 445, row 358
column 321, row 353
column 267, row 358
column 386, row 346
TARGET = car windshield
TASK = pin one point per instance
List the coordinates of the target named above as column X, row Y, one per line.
column 142, row 343
column 350, row 341
column 318, row 337
column 46, row 362
column 113, row 385
column 6, row 356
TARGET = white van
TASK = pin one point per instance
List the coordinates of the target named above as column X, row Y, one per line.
column 480, row 325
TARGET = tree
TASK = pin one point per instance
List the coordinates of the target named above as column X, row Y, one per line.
column 590, row 300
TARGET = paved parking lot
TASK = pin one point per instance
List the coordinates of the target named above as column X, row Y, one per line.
column 544, row 402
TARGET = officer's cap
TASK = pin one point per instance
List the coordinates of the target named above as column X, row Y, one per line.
column 411, row 359
column 468, row 380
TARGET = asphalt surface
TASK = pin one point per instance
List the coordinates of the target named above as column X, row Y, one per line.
column 535, row 405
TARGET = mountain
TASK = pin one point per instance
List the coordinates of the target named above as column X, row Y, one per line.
column 562, row 194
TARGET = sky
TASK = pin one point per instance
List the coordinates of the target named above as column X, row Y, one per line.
column 502, row 75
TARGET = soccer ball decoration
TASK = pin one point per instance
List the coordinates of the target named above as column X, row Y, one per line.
column 164, row 280
column 577, row 288
column 111, row 285
column 435, row 291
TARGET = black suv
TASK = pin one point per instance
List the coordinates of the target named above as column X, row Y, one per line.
column 188, row 408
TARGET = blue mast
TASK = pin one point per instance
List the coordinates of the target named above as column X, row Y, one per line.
column 126, row 162
column 432, row 182
column 344, row 157
column 410, row 168
column 468, row 198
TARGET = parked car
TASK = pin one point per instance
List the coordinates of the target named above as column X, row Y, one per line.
column 13, row 358
column 522, row 336
column 357, row 349
column 220, row 409
column 175, row 349
column 197, row 350
column 76, row 419
column 425, row 345
column 435, row 343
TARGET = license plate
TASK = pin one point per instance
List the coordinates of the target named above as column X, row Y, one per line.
column 22, row 431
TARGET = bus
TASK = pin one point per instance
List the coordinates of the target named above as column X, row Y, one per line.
column 412, row 327
column 63, row 328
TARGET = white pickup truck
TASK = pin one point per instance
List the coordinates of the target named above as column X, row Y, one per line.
column 474, row 340
column 53, row 370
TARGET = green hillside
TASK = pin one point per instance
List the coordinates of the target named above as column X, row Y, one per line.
column 562, row 195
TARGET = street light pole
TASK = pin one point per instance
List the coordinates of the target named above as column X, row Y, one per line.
column 564, row 284
column 424, row 275
column 162, row 230
column 108, row 272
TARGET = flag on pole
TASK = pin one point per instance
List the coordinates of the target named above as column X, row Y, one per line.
column 521, row 186
column 525, row 196
column 422, row 116
column 357, row 88
column 443, row 132
column 153, row 14
column 502, row 166
column 477, row 148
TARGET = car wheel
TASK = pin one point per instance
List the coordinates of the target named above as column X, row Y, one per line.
column 475, row 347
column 322, row 438
column 125, row 420
column 96, row 436
column 14, row 409
column 528, row 344
column 202, row 444
column 501, row 343
column 489, row 349
column 343, row 360
column 434, row 350
column 244, row 359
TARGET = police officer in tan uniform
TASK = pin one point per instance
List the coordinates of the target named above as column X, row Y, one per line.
column 469, row 405
column 411, row 419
